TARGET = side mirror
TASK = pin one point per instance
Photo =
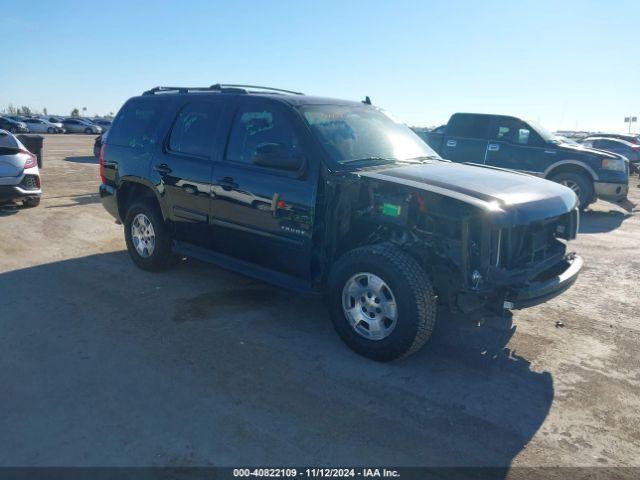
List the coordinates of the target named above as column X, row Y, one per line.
column 278, row 156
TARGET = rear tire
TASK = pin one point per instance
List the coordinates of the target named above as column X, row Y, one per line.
column 580, row 184
column 147, row 236
column 405, row 285
column 31, row 202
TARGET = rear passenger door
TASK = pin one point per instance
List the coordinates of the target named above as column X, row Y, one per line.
column 514, row 145
column 263, row 213
column 466, row 138
column 183, row 167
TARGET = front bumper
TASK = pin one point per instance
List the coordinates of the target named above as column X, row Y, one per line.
column 546, row 285
column 613, row 192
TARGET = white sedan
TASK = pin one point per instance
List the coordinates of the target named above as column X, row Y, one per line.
column 19, row 174
column 38, row 125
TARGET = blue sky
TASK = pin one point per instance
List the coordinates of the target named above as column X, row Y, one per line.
column 569, row 64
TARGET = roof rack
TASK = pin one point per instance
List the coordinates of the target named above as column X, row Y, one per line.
column 222, row 86
column 219, row 87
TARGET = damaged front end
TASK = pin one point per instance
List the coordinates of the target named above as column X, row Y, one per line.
column 478, row 251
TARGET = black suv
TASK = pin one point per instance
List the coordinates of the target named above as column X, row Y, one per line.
column 336, row 197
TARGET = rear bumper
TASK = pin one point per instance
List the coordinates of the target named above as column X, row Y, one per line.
column 613, row 192
column 16, row 192
column 546, row 286
column 109, row 199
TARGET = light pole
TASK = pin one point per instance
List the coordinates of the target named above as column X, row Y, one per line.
column 630, row 120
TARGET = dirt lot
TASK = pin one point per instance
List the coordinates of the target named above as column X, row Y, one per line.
column 104, row 364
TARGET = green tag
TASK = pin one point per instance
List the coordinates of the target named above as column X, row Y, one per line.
column 391, row 210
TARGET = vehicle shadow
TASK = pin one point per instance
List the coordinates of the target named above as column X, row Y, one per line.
column 199, row 366
column 7, row 209
column 596, row 221
column 82, row 159
column 84, row 199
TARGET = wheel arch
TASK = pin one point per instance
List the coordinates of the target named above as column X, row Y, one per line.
column 573, row 166
column 132, row 189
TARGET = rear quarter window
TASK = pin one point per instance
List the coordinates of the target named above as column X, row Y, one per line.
column 136, row 124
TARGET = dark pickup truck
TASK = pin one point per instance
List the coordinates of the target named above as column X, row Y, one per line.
column 511, row 143
column 332, row 197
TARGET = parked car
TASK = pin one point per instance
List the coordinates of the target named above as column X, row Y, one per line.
column 514, row 144
column 77, row 125
column 53, row 119
column 104, row 124
column 628, row 150
column 19, row 174
column 356, row 206
column 631, row 138
column 97, row 144
column 37, row 125
column 13, row 126
column 56, row 122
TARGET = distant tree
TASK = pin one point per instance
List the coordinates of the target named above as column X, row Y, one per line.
column 44, row 111
column 75, row 112
column 11, row 109
column 26, row 110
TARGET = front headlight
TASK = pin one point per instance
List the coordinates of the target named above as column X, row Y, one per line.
column 616, row 164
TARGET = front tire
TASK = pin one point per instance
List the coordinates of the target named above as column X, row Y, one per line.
column 382, row 302
column 580, row 184
column 147, row 236
column 88, row 131
column 50, row 130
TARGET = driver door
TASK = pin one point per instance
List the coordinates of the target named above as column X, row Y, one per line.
column 514, row 145
column 264, row 213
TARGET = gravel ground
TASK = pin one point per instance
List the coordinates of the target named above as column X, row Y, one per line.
column 104, row 364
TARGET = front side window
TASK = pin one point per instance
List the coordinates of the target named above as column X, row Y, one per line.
column 512, row 131
column 351, row 133
column 256, row 127
column 194, row 129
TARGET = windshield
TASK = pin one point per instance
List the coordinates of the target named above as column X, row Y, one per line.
column 353, row 133
column 546, row 135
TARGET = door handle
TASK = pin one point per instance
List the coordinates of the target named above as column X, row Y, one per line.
column 162, row 169
column 451, row 143
column 227, row 183
column 493, row 147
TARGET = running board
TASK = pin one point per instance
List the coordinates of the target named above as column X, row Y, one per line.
column 244, row 268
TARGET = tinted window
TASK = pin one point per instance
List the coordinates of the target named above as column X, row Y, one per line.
column 253, row 127
column 472, row 126
column 194, row 129
column 135, row 126
column 513, row 131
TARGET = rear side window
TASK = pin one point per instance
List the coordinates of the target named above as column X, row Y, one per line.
column 471, row 126
column 194, row 129
column 135, row 126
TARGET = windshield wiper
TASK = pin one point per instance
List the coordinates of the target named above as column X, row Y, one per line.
column 368, row 159
column 430, row 157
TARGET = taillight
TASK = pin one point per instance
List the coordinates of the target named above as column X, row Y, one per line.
column 103, row 179
column 32, row 161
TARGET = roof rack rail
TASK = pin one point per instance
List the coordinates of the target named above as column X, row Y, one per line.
column 221, row 86
column 155, row 90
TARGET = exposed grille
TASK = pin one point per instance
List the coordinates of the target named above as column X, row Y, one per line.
column 525, row 245
column 30, row 182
